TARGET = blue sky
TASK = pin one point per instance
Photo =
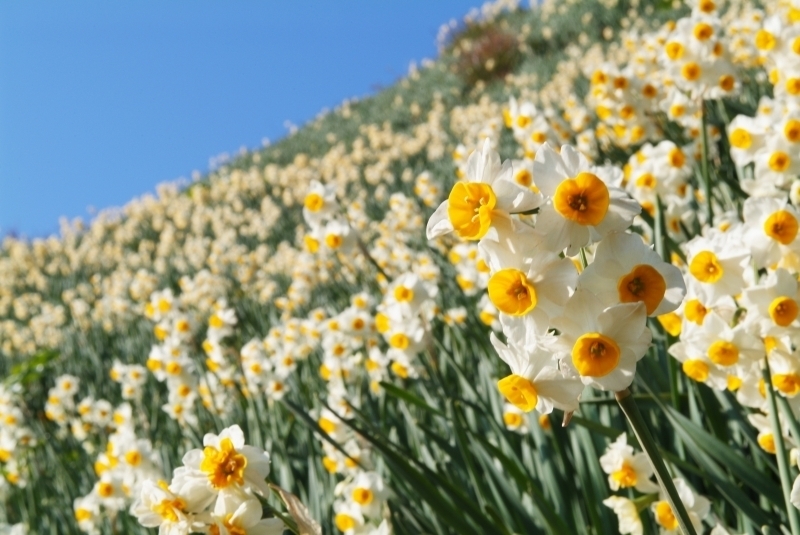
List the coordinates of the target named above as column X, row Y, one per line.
column 100, row 101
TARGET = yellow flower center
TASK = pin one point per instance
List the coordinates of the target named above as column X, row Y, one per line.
column 765, row 40
column 511, row 292
column 723, row 353
column 646, row 180
column 707, row 6
column 783, row 311
column 674, row 50
column 696, row 369
column 399, row 370
column 133, row 458
column 781, row 226
column 231, row 529
column 644, row 283
column 362, row 496
column 583, row 199
column 665, row 517
column 314, row 202
column 105, row 490
column 691, row 71
column 792, row 129
column 703, row 31
column 787, row 383
column 403, row 294
column 524, row 177
column 727, row 82
column 595, row 355
column 779, row 161
column 470, row 209
column 519, row 391
column 677, row 110
column 381, row 322
column 767, row 442
column 399, row 341
column 169, row 509
column 82, row 514
column 625, row 476
column 224, row 466
column 486, row 317
column 671, row 323
column 333, row 241
column 705, row 267
column 512, row 419
column 311, row 243
column 676, row 157
column 345, row 522
column 740, row 138
column 733, row 383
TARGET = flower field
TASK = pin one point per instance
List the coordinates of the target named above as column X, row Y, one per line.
column 546, row 283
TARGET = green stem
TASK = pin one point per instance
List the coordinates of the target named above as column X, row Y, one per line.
column 642, row 432
column 704, row 167
column 780, row 450
column 584, row 262
column 794, row 426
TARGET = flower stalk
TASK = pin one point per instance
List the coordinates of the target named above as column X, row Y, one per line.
column 704, row 168
column 780, row 449
column 642, row 432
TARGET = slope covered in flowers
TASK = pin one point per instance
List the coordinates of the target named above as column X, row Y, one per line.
column 307, row 314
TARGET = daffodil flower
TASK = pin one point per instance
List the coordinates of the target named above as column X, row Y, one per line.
column 602, row 345
column 625, row 270
column 582, row 206
column 476, row 206
column 535, row 381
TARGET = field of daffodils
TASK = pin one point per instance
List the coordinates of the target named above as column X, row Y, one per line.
column 545, row 284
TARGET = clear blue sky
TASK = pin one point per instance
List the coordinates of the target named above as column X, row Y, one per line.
column 102, row 100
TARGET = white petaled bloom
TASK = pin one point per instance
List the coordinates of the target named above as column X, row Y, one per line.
column 766, row 435
column 525, row 280
column 725, row 346
column 409, row 293
column 795, row 495
column 226, row 461
column 319, row 203
column 627, row 515
column 625, row 469
column 236, row 516
column 485, row 199
column 625, row 270
column 785, row 369
column 87, row 513
column 535, row 381
column 697, row 366
column 348, row 517
column 158, row 507
column 746, row 136
column 696, row 506
column 514, row 419
column 368, row 491
column 717, row 264
column 771, row 226
column 773, row 306
column 603, row 344
column 583, row 204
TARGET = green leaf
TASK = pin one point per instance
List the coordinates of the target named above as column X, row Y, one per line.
column 408, row 397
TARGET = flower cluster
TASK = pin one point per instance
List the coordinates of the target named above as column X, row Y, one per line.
column 601, row 313
column 15, row 437
column 216, row 491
